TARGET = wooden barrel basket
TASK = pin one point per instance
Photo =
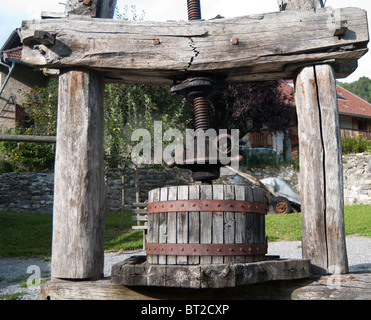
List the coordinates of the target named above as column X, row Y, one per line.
column 206, row 224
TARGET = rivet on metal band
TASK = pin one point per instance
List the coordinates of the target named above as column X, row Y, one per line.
column 206, row 206
column 198, row 249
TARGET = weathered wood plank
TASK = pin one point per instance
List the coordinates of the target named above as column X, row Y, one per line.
column 250, row 226
column 240, row 236
column 79, row 188
column 333, row 166
column 194, row 223
column 156, row 222
column 139, row 211
column 173, row 195
column 139, row 227
column 163, row 229
column 224, row 275
column 259, row 221
column 153, row 224
column 150, row 224
column 24, row 138
column 343, row 287
column 217, row 228
column 139, row 205
column 311, row 169
column 206, row 220
column 229, row 221
column 182, row 223
column 140, row 218
column 263, row 53
column 321, row 180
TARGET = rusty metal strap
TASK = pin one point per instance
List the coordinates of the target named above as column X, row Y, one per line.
column 197, row 249
column 206, row 205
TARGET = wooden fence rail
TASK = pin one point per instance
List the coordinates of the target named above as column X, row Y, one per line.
column 355, row 133
column 23, row 138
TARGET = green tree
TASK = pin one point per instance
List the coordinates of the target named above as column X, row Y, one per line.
column 131, row 107
column 361, row 88
column 41, row 116
column 250, row 106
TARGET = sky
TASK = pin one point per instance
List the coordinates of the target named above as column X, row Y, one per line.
column 12, row 12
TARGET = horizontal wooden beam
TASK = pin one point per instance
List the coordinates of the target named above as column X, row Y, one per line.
column 251, row 48
column 24, row 138
column 355, row 286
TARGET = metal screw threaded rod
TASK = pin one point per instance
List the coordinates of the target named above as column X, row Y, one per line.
column 194, row 9
column 201, row 112
column 200, row 101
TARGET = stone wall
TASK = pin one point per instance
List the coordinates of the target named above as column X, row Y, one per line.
column 33, row 192
column 356, row 175
column 149, row 178
column 357, row 178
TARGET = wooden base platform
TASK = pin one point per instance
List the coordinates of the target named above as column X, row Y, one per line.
column 136, row 271
column 271, row 279
column 355, row 286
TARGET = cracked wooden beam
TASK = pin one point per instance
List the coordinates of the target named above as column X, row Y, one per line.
column 161, row 52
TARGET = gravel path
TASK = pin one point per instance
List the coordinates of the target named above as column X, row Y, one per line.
column 13, row 271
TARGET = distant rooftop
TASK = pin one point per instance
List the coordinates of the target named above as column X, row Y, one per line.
column 348, row 102
column 12, row 48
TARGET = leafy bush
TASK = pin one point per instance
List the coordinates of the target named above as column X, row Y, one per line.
column 41, row 115
column 261, row 157
column 27, row 156
column 355, row 145
column 5, row 166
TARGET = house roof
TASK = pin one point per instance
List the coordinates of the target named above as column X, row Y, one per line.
column 14, row 54
column 348, row 103
column 12, row 48
column 351, row 104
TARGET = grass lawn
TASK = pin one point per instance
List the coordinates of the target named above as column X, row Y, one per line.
column 26, row 234
column 23, row 234
column 116, row 238
column 288, row 227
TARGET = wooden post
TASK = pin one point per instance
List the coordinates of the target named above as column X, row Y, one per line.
column 79, row 185
column 93, row 8
column 321, row 171
column 300, row 4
